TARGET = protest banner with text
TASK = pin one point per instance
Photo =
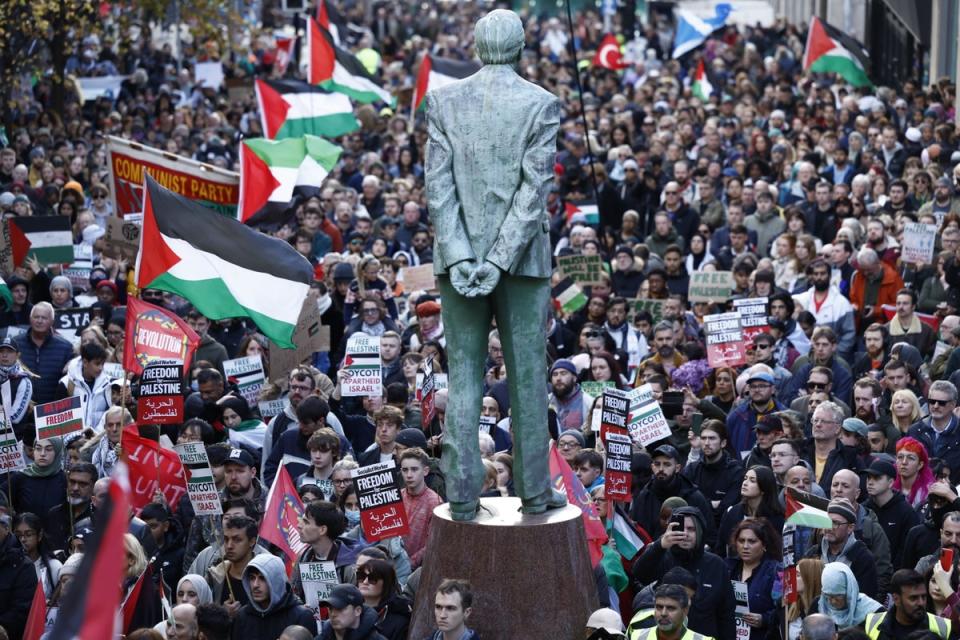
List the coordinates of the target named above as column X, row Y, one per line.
column 753, row 316
column 710, row 286
column 247, row 374
column 161, row 393
column 11, row 454
column 428, row 391
column 725, row 341
column 382, row 514
column 59, row 418
column 646, row 422
column 152, row 468
column 361, row 366
column 585, row 270
column 919, row 242
column 317, row 579
column 617, row 479
column 201, row 487
column 153, row 333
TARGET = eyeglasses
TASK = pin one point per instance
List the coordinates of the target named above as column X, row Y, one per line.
column 566, row 444
column 367, row 577
column 342, row 481
column 300, row 387
column 934, row 401
column 99, row 197
column 370, row 312
column 816, row 386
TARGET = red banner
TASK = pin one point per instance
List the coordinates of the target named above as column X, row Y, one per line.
column 279, row 525
column 153, row 333
column 564, row 480
column 152, row 467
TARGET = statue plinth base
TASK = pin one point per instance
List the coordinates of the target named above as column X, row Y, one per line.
column 531, row 574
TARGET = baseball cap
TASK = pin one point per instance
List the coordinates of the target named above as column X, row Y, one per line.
column 412, row 438
column 343, row 596
column 239, row 456
column 881, row 468
column 667, row 450
column 769, row 424
column 762, row 376
column 606, row 619
column 9, row 343
column 855, row 425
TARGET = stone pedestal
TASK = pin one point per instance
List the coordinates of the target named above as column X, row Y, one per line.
column 531, row 575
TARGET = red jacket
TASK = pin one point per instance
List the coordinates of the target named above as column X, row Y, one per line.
column 892, row 282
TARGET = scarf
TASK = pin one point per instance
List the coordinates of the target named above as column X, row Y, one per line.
column 838, row 579
column 36, row 471
column 12, row 372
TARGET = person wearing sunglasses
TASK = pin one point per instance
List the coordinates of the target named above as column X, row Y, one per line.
column 940, row 431
column 378, row 584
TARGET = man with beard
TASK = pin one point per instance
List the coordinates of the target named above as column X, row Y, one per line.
column 791, row 341
column 58, row 523
column 744, row 416
column 623, row 335
column 905, row 326
column 934, row 533
column 867, row 393
column 712, row 610
column 894, row 514
column 716, row 473
column 847, row 484
column 870, row 362
column 571, row 404
column 877, row 240
column 241, row 478
column 874, row 284
column 909, row 612
column 839, row 544
column 667, row 356
column 829, row 307
column 824, row 354
column 667, row 481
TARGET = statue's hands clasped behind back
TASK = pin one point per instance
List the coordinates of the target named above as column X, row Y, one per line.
column 473, row 280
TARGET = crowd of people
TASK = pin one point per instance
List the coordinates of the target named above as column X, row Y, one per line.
column 798, row 184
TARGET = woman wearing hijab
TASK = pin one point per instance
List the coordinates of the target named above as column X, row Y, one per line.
column 914, row 475
column 840, row 597
column 192, row 589
column 246, row 431
column 43, row 484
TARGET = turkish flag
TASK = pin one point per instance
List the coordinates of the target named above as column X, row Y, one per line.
column 152, row 467
column 608, row 54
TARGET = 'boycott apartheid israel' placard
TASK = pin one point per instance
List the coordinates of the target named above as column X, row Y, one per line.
column 58, row 418
column 382, row 514
column 200, row 485
column 646, row 422
column 361, row 367
column 11, row 456
column 247, row 374
column 725, row 346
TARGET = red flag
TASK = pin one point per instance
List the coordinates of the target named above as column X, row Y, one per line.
column 130, row 605
column 281, row 514
column 608, row 54
column 152, row 467
column 154, row 333
column 284, row 53
column 38, row 614
column 565, row 480
column 89, row 611
column 19, row 243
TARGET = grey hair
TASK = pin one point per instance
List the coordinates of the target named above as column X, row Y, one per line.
column 867, row 256
column 818, row 626
column 833, row 408
column 944, row 386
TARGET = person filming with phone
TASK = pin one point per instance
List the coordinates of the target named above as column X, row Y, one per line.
column 682, row 545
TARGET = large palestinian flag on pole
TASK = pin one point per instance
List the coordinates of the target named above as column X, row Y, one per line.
column 224, row 268
column 830, row 50
column 437, row 72
column 336, row 69
column 291, row 108
column 275, row 175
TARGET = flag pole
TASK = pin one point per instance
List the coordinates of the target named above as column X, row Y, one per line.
column 583, row 110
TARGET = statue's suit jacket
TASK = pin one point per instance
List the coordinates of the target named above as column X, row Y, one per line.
column 490, row 155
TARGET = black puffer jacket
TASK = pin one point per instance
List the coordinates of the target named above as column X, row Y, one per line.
column 367, row 630
column 18, row 581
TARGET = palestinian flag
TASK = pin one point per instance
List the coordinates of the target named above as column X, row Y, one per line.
column 275, row 175
column 291, row 108
column 437, row 72
column 569, row 295
column 336, row 69
column 624, row 533
column 584, row 213
column 332, row 20
column 5, row 294
column 36, row 621
column 50, row 238
column 284, row 53
column 19, row 245
column 830, row 50
column 701, row 87
column 224, row 268
column 806, row 510
column 89, row 611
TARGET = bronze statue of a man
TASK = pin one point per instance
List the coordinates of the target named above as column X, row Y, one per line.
column 490, row 154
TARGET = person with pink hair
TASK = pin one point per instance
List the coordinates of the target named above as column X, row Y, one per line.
column 914, row 476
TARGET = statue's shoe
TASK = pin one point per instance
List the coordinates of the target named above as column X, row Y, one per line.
column 464, row 510
column 550, row 499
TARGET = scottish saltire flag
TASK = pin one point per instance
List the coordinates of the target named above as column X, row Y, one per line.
column 692, row 30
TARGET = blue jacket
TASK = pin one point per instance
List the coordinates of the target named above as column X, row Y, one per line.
column 293, row 445
column 842, row 382
column 47, row 361
column 740, row 423
column 945, row 446
column 764, row 589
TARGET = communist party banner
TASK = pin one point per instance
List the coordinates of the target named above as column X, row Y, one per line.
column 214, row 187
column 153, row 333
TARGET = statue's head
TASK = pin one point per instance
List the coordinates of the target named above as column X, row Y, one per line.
column 499, row 37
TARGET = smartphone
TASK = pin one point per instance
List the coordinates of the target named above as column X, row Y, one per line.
column 696, row 422
column 677, row 519
column 946, row 559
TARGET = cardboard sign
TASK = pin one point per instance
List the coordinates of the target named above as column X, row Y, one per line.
column 617, row 478
column 707, row 286
column 646, row 422
column 361, row 366
column 200, row 484
column 11, row 454
column 382, row 514
column 418, row 278
column 918, row 243
column 753, row 316
column 655, row 307
column 59, row 418
column 114, row 370
column 309, row 335
column 439, row 382
column 742, row 598
column 208, row 75
column 596, row 389
column 69, row 322
column 317, row 579
column 585, row 270
column 122, row 239
column 725, row 341
column 270, row 408
column 211, row 186
column 247, row 374
column 152, row 468
column 488, row 424
column 161, row 393
column 428, row 392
